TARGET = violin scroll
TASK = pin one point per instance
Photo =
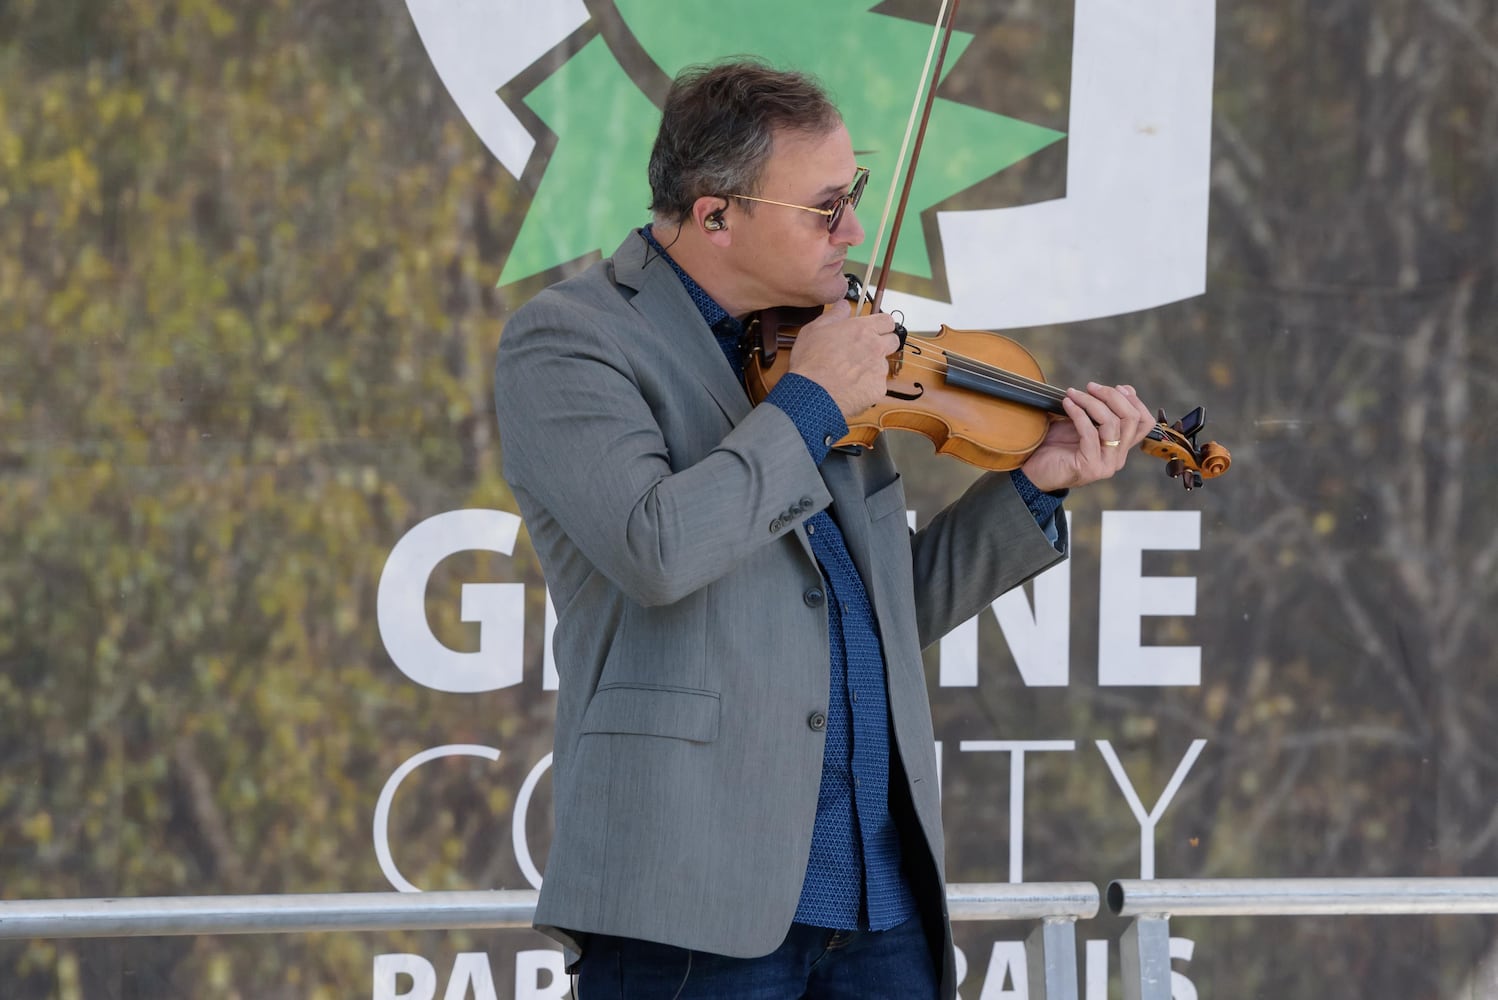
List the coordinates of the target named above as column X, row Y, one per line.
column 1184, row 459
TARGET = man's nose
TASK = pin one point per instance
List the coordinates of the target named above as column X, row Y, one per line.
column 849, row 230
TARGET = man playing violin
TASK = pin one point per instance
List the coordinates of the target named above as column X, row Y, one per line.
column 745, row 783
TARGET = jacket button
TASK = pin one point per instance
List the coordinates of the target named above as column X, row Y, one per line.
column 804, row 505
column 816, row 721
column 776, row 525
column 813, row 598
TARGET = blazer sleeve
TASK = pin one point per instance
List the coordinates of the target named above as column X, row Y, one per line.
column 583, row 444
column 980, row 546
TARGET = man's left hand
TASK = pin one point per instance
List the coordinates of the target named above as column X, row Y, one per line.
column 1102, row 425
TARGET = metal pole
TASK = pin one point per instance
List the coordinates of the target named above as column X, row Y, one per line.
column 1146, row 959
column 373, row 911
column 1051, row 948
column 1022, row 900
column 1051, row 959
column 1151, row 903
column 1302, row 896
column 186, row 915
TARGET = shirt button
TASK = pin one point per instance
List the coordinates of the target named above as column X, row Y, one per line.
column 855, row 697
column 813, row 598
column 827, row 440
column 811, row 529
column 816, row 721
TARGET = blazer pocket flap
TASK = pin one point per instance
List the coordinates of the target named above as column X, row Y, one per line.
column 679, row 713
column 886, row 500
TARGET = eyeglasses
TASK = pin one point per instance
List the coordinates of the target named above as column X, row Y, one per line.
column 835, row 213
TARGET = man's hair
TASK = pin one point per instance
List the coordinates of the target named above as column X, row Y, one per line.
column 717, row 128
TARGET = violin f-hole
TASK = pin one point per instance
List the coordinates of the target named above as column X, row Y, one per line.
column 920, row 391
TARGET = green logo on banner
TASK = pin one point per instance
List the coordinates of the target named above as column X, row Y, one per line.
column 592, row 189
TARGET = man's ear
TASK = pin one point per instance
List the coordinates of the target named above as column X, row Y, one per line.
column 707, row 215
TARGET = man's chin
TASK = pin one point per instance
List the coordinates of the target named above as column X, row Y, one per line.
column 835, row 288
column 827, row 291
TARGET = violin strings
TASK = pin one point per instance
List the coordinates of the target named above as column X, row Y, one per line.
column 993, row 374
column 1004, row 376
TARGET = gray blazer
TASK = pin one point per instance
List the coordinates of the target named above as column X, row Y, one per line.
column 668, row 516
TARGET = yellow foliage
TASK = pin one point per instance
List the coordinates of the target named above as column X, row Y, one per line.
column 235, row 327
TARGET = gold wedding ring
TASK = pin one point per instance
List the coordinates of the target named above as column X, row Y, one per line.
column 1110, row 444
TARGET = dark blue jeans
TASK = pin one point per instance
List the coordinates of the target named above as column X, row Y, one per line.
column 812, row 963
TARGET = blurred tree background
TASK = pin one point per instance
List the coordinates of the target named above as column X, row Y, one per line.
column 246, row 329
column 247, row 318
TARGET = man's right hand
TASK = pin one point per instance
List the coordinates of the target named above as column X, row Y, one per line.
column 847, row 355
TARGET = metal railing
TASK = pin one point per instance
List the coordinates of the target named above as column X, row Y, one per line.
column 1151, row 903
column 1050, row 950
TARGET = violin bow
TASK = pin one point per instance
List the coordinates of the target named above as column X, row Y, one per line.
column 925, row 88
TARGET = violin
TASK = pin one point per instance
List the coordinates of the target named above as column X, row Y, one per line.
column 976, row 395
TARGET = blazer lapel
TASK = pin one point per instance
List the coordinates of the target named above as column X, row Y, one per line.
column 673, row 317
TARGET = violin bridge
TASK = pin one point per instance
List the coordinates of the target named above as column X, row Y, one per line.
column 897, row 359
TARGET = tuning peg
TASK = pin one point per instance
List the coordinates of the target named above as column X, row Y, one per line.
column 1174, row 468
